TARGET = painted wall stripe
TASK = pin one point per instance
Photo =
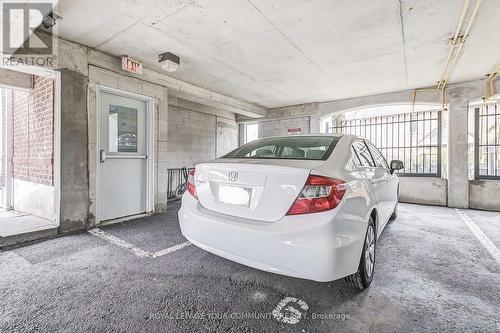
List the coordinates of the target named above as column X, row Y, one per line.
column 487, row 243
column 135, row 250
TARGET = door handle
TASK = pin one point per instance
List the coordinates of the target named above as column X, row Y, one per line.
column 102, row 155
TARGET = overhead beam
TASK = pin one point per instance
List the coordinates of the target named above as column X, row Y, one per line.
column 178, row 88
column 15, row 80
column 189, row 105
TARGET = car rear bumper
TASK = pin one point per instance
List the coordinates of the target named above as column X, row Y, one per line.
column 320, row 247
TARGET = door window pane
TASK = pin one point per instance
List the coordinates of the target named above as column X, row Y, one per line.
column 363, row 153
column 122, row 129
column 294, row 147
column 380, row 161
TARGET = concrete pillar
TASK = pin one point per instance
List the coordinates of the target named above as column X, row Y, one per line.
column 74, row 152
column 314, row 123
column 241, row 134
column 458, row 97
column 458, row 182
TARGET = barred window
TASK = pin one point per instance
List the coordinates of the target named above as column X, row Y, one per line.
column 414, row 138
column 487, row 137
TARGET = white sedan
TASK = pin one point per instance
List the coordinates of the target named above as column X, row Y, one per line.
column 307, row 206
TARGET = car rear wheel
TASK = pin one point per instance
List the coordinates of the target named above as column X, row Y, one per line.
column 363, row 277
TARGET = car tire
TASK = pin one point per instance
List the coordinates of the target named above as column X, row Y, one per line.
column 363, row 277
column 394, row 214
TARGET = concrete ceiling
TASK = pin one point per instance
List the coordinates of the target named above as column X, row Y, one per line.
column 284, row 52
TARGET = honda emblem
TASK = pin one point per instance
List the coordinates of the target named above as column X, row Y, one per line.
column 232, row 176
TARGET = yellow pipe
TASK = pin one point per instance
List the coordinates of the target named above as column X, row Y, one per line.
column 485, row 87
column 443, row 98
column 469, row 25
column 455, row 51
column 426, row 89
column 414, row 94
column 489, row 83
column 461, row 21
column 452, row 64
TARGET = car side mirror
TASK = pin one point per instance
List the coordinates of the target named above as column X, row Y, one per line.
column 396, row 165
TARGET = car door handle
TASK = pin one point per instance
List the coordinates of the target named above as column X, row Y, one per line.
column 102, row 156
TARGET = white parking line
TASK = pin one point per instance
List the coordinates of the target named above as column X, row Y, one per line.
column 487, row 243
column 170, row 249
column 135, row 250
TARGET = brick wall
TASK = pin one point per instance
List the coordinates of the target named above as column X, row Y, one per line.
column 3, row 100
column 32, row 130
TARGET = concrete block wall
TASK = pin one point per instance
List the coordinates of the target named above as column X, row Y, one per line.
column 191, row 137
column 484, row 194
column 281, row 126
column 197, row 136
column 227, row 136
column 279, row 120
column 423, row 190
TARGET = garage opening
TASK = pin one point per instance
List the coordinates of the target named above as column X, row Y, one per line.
column 484, row 141
column 414, row 134
column 27, row 159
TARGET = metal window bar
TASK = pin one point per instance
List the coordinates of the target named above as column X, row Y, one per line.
column 417, row 143
column 487, row 142
column 174, row 179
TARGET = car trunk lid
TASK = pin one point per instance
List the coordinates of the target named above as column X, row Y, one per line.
column 262, row 191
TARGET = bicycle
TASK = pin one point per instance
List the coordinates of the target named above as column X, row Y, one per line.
column 179, row 191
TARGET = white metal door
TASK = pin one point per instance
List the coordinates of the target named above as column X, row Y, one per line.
column 122, row 167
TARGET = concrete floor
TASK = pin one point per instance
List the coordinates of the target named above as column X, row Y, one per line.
column 13, row 223
column 432, row 274
column 17, row 227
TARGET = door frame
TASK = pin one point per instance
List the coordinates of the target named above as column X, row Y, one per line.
column 150, row 151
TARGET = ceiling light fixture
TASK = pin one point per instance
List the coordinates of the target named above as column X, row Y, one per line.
column 169, row 61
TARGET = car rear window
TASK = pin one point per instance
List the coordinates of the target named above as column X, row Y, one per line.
column 293, row 147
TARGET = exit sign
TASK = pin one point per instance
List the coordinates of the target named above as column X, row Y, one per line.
column 131, row 65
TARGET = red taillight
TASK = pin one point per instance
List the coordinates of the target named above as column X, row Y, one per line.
column 318, row 195
column 190, row 184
